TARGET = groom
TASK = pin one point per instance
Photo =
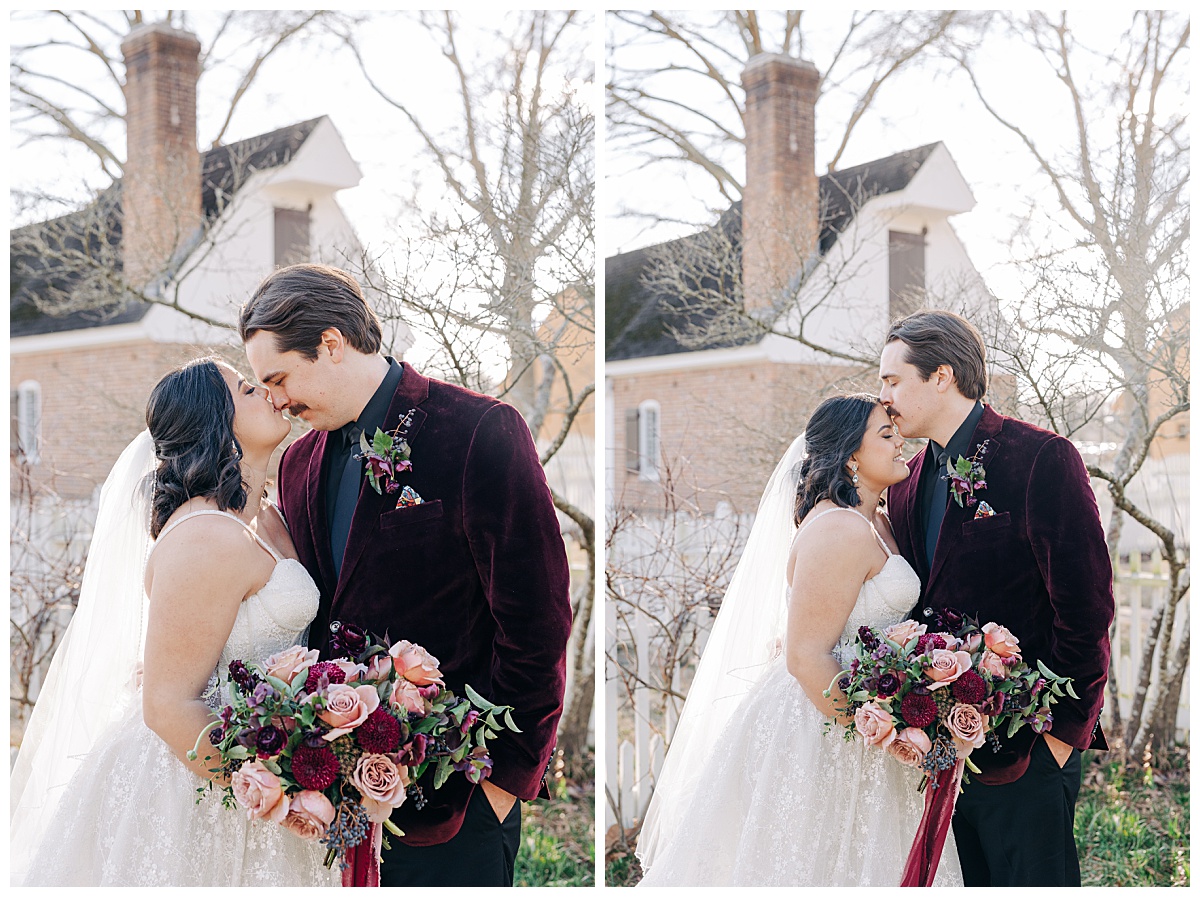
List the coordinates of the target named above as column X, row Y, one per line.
column 466, row 559
column 1030, row 555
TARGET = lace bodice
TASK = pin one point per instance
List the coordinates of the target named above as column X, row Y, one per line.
column 885, row 598
column 274, row 618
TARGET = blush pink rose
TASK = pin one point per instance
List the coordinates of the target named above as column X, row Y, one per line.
column 408, row 697
column 354, row 671
column 910, row 746
column 347, row 707
column 259, row 790
column 309, row 815
column 972, row 642
column 379, row 778
column 952, row 644
column 946, row 666
column 379, row 667
column 289, row 664
column 415, row 664
column 904, row 632
column 377, row 811
column 968, row 728
column 1000, row 641
column 875, row 725
column 993, row 664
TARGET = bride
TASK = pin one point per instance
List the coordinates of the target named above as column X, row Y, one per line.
column 102, row 791
column 754, row 790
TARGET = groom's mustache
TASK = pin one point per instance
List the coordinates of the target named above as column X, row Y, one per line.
column 296, row 409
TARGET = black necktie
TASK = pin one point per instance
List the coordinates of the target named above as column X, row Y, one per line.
column 347, row 498
column 937, row 506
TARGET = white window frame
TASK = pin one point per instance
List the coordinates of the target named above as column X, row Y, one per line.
column 29, row 422
column 649, row 439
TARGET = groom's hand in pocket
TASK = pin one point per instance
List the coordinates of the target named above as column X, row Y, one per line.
column 501, row 801
column 1060, row 749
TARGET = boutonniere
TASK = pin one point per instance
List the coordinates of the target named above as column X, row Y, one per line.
column 387, row 455
column 967, row 477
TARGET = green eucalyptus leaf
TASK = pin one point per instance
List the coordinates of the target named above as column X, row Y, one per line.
column 478, row 700
column 272, row 764
column 508, row 720
column 442, row 773
column 1070, row 690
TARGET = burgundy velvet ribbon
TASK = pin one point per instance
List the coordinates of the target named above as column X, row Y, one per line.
column 363, row 871
column 931, row 833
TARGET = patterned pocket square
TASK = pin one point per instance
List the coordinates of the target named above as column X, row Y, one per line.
column 408, row 498
column 984, row 510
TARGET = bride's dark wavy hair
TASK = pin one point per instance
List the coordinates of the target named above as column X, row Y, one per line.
column 834, row 433
column 190, row 418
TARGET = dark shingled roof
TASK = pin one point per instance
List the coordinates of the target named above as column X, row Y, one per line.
column 637, row 319
column 223, row 171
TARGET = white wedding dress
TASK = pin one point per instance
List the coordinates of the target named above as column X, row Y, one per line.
column 783, row 802
column 129, row 815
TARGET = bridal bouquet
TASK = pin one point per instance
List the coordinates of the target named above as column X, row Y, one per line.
column 328, row 748
column 929, row 695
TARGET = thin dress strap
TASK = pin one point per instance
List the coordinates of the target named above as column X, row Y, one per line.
column 874, row 532
column 271, row 551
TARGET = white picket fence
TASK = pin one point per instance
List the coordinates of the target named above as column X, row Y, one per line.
column 633, row 762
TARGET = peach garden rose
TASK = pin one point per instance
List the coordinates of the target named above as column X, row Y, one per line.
column 946, row 666
column 289, row 664
column 1000, row 641
column 309, row 815
column 967, row 728
column 259, row 790
column 910, row 746
column 875, row 725
column 379, row 778
column 415, row 664
column 904, row 632
column 347, row 707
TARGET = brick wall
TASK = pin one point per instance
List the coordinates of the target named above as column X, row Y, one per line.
column 93, row 404
column 722, row 429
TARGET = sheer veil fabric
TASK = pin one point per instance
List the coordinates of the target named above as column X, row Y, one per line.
column 91, row 684
column 746, row 636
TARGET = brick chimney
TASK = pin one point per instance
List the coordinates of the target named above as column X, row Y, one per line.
column 160, row 193
column 780, row 203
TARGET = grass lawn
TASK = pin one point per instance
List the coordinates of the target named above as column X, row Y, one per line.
column 1131, row 827
column 558, row 835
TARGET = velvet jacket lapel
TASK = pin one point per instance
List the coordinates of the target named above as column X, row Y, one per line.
column 412, row 391
column 988, row 428
column 317, row 522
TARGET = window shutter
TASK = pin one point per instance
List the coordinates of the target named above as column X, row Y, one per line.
column 632, row 441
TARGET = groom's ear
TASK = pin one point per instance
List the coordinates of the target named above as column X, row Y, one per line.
column 334, row 343
column 944, row 378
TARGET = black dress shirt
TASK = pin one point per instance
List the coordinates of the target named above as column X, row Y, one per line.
column 934, row 492
column 344, row 472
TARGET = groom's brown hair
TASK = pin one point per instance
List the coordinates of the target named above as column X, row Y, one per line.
column 300, row 302
column 935, row 338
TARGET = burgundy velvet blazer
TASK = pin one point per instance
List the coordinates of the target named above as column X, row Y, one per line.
column 477, row 574
column 1040, row 566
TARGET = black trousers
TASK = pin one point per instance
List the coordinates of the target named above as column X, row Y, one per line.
column 482, row 854
column 1022, row 833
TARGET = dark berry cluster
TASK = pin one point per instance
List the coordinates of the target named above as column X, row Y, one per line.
column 941, row 756
column 417, row 795
column 347, row 830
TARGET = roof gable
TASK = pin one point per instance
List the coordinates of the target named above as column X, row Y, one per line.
column 641, row 321
column 87, row 242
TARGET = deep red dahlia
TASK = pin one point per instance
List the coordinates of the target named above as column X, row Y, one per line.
column 314, row 769
column 336, row 674
column 379, row 733
column 970, row 688
column 918, row 710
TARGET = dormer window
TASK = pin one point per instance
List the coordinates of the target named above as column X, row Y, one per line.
column 291, row 236
column 906, row 273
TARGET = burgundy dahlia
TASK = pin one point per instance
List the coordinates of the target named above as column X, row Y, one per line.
column 918, row 710
column 314, row 768
column 926, row 643
column 970, row 688
column 336, row 674
column 380, row 733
